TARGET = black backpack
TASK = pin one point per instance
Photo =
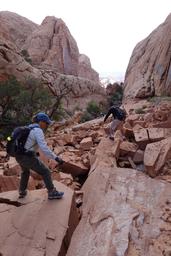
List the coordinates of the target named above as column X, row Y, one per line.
column 120, row 114
column 15, row 142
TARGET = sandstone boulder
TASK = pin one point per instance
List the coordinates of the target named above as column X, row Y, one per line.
column 86, row 143
column 156, row 155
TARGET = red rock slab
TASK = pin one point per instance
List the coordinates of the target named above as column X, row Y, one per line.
column 156, row 155
column 124, row 213
column 156, row 134
column 34, row 225
column 73, row 168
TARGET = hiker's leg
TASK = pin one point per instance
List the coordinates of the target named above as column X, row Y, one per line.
column 37, row 166
column 32, row 162
column 25, row 173
column 41, row 169
column 114, row 125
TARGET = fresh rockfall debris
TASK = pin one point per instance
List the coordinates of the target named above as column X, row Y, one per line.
column 120, row 188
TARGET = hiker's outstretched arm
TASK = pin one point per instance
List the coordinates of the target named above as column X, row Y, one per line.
column 40, row 139
column 107, row 115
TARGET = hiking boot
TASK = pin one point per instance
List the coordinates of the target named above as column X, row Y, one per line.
column 54, row 194
column 22, row 194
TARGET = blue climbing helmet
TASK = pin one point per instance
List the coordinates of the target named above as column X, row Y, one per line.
column 41, row 116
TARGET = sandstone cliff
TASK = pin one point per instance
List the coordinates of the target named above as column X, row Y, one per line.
column 49, row 53
column 149, row 68
column 15, row 28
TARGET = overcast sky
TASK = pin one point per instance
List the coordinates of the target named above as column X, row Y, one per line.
column 105, row 30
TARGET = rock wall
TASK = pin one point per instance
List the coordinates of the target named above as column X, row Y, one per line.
column 85, row 69
column 49, row 45
column 149, row 68
column 52, row 45
column 15, row 28
column 53, row 56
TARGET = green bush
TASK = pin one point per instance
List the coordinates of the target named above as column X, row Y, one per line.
column 86, row 117
column 92, row 111
column 18, row 102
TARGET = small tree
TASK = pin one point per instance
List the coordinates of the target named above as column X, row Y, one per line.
column 93, row 110
column 18, row 103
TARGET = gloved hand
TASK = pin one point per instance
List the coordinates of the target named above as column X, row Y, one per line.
column 59, row 160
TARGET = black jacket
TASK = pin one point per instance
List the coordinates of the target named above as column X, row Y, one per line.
column 113, row 111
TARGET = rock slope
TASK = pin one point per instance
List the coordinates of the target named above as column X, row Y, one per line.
column 149, row 69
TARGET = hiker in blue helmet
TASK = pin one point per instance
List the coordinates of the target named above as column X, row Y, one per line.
column 43, row 117
column 30, row 159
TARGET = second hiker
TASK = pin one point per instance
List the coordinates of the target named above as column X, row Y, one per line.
column 119, row 116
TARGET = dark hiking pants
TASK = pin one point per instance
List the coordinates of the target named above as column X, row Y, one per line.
column 33, row 163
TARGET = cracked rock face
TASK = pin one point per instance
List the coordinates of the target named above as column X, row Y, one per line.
column 149, row 68
column 35, row 226
column 125, row 212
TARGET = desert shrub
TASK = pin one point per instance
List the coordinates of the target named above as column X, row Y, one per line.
column 20, row 101
column 92, row 111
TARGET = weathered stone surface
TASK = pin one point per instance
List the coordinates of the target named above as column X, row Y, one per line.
column 13, row 64
column 126, row 213
column 149, row 70
column 128, row 148
column 51, row 45
column 12, row 167
column 37, row 226
column 156, row 155
column 8, row 183
column 86, row 143
column 138, row 156
column 156, row 134
column 141, row 137
column 85, row 69
column 105, row 154
column 15, row 28
column 75, row 169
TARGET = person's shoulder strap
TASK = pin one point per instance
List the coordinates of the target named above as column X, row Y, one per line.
column 32, row 126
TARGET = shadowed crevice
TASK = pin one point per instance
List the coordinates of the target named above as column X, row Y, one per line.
column 7, row 201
